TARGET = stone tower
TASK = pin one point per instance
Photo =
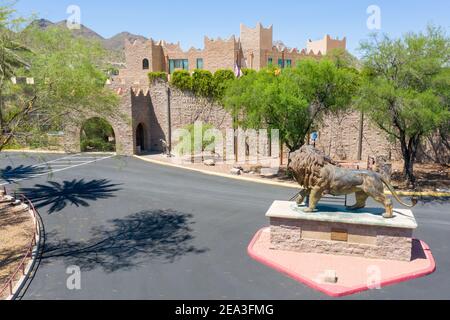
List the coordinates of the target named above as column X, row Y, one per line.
column 326, row 45
column 255, row 42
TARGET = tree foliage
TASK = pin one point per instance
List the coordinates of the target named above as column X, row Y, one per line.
column 203, row 83
column 291, row 100
column 68, row 75
column 96, row 135
column 157, row 76
column 406, row 88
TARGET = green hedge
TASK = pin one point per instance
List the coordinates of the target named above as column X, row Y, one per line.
column 247, row 71
column 203, row 83
column 182, row 80
column 157, row 76
column 222, row 79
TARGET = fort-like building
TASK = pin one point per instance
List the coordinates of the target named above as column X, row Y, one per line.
column 253, row 49
column 150, row 113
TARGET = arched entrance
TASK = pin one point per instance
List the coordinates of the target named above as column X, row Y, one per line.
column 140, row 138
column 97, row 135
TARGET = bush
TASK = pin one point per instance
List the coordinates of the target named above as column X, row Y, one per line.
column 95, row 136
column 203, row 83
column 222, row 78
column 157, row 76
column 97, row 144
column 188, row 147
column 182, row 80
column 247, row 71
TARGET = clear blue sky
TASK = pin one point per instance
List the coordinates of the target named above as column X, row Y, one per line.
column 295, row 21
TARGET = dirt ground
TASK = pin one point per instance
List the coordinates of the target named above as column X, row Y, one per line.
column 16, row 233
column 430, row 177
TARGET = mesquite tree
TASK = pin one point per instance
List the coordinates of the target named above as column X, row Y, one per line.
column 405, row 88
column 291, row 100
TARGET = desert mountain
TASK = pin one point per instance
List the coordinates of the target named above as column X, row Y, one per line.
column 115, row 43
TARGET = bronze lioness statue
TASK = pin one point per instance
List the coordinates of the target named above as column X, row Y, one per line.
column 319, row 175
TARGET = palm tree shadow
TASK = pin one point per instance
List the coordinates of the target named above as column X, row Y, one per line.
column 10, row 174
column 165, row 235
column 75, row 192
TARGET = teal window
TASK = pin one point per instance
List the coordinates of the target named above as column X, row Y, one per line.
column 175, row 64
column 289, row 63
column 199, row 63
column 281, row 63
column 270, row 62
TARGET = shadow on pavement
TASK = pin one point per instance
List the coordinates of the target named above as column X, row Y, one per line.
column 434, row 200
column 75, row 192
column 10, row 174
column 161, row 234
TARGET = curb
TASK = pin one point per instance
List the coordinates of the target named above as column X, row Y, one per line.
column 223, row 175
column 55, row 152
column 351, row 290
column 34, row 151
column 281, row 184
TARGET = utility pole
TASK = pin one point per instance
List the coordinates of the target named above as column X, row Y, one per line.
column 361, row 136
column 169, row 123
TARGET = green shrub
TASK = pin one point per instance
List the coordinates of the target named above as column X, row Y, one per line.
column 222, row 78
column 95, row 135
column 182, row 80
column 97, row 144
column 247, row 71
column 157, row 76
column 203, row 83
column 186, row 147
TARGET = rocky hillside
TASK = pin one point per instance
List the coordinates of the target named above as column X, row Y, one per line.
column 115, row 43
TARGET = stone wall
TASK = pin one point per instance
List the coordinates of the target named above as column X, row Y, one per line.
column 315, row 237
column 339, row 137
column 120, row 122
column 185, row 109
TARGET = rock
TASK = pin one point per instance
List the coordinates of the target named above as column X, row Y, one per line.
column 269, row 172
column 236, row 171
column 329, row 276
column 256, row 168
column 209, row 163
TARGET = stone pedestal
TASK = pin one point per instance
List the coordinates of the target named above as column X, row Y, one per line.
column 333, row 230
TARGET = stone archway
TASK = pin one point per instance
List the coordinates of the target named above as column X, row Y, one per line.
column 97, row 135
column 122, row 129
column 141, row 139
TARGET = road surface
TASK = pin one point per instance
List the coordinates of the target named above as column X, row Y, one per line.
column 142, row 231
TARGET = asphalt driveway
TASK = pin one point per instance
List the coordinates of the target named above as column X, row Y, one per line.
column 143, row 231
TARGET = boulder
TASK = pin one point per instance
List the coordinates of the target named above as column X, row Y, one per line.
column 209, row 162
column 269, row 172
column 236, row 171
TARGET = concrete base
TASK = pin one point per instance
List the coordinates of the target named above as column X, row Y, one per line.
column 339, row 276
column 333, row 230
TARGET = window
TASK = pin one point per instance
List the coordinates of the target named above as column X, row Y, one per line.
column 199, row 63
column 145, row 64
column 281, row 63
column 270, row 62
column 175, row 64
column 289, row 63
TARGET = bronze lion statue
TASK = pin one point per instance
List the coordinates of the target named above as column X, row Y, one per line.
column 319, row 175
